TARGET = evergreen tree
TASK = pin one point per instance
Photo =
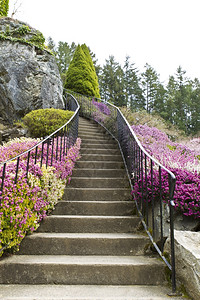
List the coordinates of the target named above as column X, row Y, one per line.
column 170, row 100
column 81, row 76
column 111, row 82
column 132, row 90
column 195, row 108
column 51, row 45
column 160, row 100
column 64, row 55
column 150, row 83
column 4, row 7
column 182, row 100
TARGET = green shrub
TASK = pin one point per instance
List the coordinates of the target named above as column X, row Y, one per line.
column 43, row 122
column 4, row 6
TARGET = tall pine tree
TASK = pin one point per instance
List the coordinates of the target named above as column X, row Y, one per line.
column 132, row 90
column 150, row 83
column 111, row 82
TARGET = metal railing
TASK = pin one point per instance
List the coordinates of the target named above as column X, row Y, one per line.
column 145, row 174
column 45, row 152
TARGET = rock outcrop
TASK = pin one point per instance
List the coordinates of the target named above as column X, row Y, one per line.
column 29, row 76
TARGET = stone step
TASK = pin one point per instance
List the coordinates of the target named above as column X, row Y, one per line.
column 95, row 270
column 85, row 292
column 100, row 151
column 109, row 142
column 92, row 182
column 83, row 244
column 95, row 136
column 97, row 194
column 100, row 157
column 95, row 208
column 99, row 165
column 104, row 173
column 83, row 130
column 92, row 224
column 99, row 146
column 86, row 124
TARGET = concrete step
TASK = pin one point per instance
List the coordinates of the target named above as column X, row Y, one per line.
column 97, row 194
column 99, row 146
column 100, row 151
column 95, row 270
column 99, row 165
column 95, row 136
column 107, row 142
column 105, row 173
column 89, row 124
column 85, row 292
column 91, row 130
column 92, row 182
column 100, row 157
column 83, row 244
column 95, row 208
column 92, row 224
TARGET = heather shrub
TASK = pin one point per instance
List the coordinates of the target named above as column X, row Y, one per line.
column 180, row 158
column 43, row 122
column 25, row 204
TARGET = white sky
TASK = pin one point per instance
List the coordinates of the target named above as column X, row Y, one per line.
column 163, row 33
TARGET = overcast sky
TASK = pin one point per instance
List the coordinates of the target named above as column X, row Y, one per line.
column 163, row 33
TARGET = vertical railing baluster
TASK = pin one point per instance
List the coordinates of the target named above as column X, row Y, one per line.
column 36, row 151
column 57, row 147
column 142, row 182
column 61, row 146
column 146, row 193
column 42, row 155
column 64, row 146
column 171, row 206
column 161, row 210
column 152, row 200
column 52, row 148
column 17, row 169
column 3, row 177
column 27, row 165
column 47, row 158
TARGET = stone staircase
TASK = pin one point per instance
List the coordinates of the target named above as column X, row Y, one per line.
column 89, row 248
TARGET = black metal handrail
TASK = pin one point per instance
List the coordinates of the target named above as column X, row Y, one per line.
column 65, row 136
column 143, row 170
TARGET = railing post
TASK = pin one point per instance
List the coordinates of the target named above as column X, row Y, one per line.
column 3, row 176
column 171, row 206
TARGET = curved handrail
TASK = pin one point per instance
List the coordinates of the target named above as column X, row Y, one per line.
column 140, row 145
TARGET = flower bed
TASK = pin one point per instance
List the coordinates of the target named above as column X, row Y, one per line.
column 179, row 158
column 25, row 204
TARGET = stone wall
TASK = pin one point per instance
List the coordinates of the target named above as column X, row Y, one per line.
column 187, row 257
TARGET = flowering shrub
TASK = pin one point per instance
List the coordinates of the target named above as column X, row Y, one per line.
column 182, row 160
column 102, row 107
column 25, row 204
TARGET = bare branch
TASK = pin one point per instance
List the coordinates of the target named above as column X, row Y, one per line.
column 16, row 8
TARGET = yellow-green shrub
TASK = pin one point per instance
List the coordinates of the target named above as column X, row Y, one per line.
column 43, row 122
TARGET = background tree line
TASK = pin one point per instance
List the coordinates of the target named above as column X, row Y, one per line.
column 178, row 101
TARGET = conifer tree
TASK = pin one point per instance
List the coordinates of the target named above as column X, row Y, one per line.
column 4, row 7
column 81, row 76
